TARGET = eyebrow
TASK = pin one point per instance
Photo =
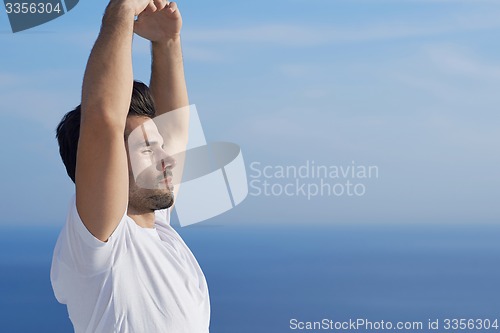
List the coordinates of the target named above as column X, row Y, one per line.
column 146, row 141
column 146, row 144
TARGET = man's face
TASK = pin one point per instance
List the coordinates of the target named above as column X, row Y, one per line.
column 150, row 168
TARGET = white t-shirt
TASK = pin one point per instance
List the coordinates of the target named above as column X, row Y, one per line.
column 139, row 281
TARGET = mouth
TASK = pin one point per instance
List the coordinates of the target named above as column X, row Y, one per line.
column 166, row 176
column 166, row 182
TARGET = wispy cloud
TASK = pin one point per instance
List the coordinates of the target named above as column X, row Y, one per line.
column 460, row 61
column 459, row 78
column 8, row 79
column 41, row 101
column 301, row 35
column 413, row 1
column 203, row 54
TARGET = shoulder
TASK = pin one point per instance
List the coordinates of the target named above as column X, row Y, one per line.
column 78, row 249
column 74, row 221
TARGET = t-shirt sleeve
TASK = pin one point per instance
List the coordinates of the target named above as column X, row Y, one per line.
column 81, row 251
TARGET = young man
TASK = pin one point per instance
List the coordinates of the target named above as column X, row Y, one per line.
column 118, row 264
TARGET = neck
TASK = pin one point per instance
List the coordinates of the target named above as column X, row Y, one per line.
column 142, row 219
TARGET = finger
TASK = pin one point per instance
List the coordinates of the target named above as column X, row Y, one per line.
column 151, row 7
column 173, row 6
column 160, row 4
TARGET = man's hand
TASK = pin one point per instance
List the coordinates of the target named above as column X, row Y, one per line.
column 161, row 25
column 137, row 6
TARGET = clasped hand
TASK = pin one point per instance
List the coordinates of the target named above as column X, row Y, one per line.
column 159, row 21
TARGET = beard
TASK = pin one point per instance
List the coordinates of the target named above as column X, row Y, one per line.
column 148, row 193
column 147, row 200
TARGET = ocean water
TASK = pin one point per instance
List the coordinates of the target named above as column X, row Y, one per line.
column 261, row 277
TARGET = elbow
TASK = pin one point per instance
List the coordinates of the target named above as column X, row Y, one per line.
column 99, row 117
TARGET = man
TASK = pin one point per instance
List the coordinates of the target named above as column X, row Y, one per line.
column 118, row 264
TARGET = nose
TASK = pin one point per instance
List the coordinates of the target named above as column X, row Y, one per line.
column 166, row 161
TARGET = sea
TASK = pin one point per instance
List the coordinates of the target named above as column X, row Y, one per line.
column 299, row 278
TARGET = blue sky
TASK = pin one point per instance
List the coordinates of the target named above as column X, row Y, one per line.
column 409, row 86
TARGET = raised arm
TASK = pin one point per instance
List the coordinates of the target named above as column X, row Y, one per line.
column 163, row 29
column 101, row 167
column 168, row 84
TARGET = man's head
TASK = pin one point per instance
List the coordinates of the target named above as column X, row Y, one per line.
column 149, row 165
column 150, row 168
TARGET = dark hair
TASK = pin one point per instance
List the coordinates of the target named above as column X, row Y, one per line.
column 68, row 130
